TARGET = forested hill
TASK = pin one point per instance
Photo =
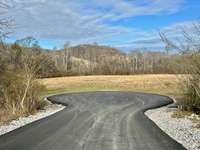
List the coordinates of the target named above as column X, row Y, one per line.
column 89, row 51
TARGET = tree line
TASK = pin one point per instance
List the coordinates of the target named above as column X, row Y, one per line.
column 102, row 60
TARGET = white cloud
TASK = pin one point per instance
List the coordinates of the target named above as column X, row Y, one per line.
column 151, row 40
column 79, row 20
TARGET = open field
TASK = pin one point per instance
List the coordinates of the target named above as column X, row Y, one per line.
column 161, row 84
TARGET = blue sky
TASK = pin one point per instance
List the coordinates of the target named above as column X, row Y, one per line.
column 125, row 24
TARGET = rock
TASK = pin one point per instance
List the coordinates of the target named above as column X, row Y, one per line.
column 49, row 110
column 180, row 129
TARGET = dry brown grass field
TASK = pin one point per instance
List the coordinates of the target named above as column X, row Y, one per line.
column 160, row 84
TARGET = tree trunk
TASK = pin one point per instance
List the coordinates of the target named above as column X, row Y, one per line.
column 25, row 92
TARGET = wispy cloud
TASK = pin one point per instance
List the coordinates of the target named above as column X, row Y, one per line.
column 82, row 21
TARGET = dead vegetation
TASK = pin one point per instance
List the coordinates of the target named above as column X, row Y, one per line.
column 160, row 84
column 20, row 92
column 103, row 60
column 188, row 43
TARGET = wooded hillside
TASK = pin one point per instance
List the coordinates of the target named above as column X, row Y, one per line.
column 94, row 59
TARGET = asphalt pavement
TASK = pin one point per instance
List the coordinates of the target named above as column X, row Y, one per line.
column 95, row 121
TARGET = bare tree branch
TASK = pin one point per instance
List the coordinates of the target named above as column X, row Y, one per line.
column 5, row 22
column 187, row 42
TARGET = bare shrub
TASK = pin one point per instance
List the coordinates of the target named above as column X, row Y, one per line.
column 189, row 46
column 20, row 93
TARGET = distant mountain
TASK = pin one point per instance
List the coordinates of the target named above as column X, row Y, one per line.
column 90, row 52
column 94, row 49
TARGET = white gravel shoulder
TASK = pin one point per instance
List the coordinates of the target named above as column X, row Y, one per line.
column 48, row 110
column 180, row 129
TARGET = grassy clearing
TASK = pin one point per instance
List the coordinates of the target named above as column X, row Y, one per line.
column 159, row 84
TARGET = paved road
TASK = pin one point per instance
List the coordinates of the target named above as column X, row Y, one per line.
column 95, row 121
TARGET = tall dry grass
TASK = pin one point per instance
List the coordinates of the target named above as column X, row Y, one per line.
column 160, row 84
column 191, row 86
column 12, row 88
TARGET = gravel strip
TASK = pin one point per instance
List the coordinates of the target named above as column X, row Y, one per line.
column 49, row 110
column 180, row 129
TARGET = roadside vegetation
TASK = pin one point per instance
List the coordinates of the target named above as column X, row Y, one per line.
column 20, row 65
column 191, row 84
column 20, row 92
column 188, row 43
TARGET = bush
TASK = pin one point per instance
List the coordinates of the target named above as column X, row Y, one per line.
column 34, row 100
column 12, row 88
column 191, row 100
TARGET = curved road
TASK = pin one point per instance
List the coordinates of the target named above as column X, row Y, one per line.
column 95, row 121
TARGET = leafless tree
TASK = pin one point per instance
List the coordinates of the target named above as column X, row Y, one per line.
column 6, row 25
column 5, row 22
column 67, row 56
column 27, row 62
column 189, row 45
column 187, row 42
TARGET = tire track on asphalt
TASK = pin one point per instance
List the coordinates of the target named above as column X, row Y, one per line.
column 95, row 121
